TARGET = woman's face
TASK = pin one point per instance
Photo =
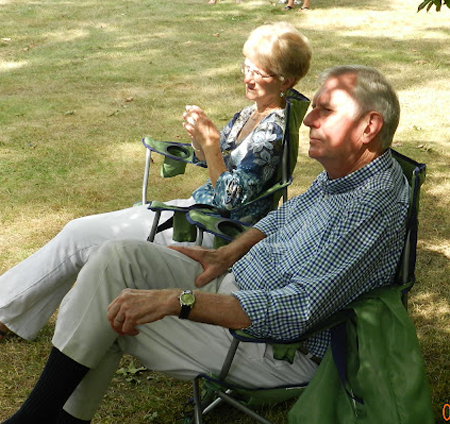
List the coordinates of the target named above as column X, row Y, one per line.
column 260, row 85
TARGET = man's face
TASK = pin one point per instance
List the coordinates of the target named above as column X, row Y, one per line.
column 336, row 130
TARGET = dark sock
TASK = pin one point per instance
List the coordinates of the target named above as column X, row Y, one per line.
column 60, row 377
column 66, row 418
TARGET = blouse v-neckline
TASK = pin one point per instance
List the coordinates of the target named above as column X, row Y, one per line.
column 242, row 120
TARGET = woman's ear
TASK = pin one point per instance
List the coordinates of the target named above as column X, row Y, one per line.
column 286, row 84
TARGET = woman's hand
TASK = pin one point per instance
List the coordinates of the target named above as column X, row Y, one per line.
column 200, row 128
column 205, row 140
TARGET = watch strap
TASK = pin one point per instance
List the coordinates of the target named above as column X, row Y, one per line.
column 184, row 313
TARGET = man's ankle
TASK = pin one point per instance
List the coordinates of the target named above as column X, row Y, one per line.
column 66, row 418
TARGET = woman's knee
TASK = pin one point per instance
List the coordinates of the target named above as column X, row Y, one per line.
column 75, row 230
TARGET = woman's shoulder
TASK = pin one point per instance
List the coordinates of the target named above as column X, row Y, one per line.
column 276, row 117
column 247, row 111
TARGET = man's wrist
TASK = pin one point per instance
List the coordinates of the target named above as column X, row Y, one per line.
column 172, row 302
column 187, row 302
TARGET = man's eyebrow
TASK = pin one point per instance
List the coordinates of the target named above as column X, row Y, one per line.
column 324, row 103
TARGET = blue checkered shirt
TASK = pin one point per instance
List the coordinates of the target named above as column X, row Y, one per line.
column 323, row 249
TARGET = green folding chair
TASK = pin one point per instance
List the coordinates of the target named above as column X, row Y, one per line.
column 177, row 155
column 211, row 390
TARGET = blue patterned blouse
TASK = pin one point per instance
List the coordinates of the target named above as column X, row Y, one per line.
column 251, row 165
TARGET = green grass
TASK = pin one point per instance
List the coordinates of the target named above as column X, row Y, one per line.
column 81, row 83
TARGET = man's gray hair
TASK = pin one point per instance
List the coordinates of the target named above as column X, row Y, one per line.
column 372, row 93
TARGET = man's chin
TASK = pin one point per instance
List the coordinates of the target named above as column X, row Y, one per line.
column 313, row 153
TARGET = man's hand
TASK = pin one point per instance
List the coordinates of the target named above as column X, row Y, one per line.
column 135, row 307
column 213, row 262
column 217, row 262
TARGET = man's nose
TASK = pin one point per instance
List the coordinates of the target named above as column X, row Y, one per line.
column 308, row 119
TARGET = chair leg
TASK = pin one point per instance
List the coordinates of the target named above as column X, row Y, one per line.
column 148, row 161
column 246, row 410
column 197, row 402
column 205, row 405
column 155, row 223
column 200, row 237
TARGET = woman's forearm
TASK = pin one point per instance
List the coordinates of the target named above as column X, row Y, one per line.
column 214, row 160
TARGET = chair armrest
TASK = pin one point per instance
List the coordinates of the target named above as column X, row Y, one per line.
column 182, row 152
column 155, row 205
column 183, row 229
column 276, row 191
column 332, row 321
column 225, row 228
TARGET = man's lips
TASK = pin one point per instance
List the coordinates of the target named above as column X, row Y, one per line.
column 314, row 138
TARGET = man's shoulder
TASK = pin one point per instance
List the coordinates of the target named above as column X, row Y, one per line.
column 384, row 191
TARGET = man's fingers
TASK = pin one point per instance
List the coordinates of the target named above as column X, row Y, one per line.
column 194, row 252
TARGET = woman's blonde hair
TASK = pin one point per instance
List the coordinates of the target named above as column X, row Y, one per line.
column 280, row 49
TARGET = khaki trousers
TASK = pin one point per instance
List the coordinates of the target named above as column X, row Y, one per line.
column 31, row 291
column 179, row 348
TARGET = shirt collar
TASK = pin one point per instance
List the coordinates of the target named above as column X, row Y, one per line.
column 357, row 178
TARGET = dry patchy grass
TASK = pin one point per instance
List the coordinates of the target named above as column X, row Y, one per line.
column 82, row 82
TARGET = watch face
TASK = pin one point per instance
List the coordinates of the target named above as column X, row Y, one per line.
column 188, row 299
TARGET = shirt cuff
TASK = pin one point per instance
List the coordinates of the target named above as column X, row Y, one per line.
column 254, row 303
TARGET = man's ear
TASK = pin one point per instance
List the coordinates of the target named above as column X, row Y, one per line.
column 373, row 124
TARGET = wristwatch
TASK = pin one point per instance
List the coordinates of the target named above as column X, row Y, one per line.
column 187, row 301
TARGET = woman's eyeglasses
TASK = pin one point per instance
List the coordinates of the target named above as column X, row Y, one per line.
column 256, row 74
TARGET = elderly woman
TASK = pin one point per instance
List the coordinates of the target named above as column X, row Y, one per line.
column 276, row 57
column 240, row 162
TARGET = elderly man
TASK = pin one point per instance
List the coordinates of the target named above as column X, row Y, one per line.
column 172, row 308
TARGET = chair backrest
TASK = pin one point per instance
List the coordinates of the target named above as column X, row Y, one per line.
column 296, row 106
column 226, row 230
column 415, row 173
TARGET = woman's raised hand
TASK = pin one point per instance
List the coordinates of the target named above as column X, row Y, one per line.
column 200, row 128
